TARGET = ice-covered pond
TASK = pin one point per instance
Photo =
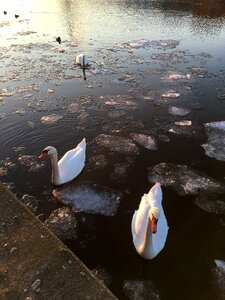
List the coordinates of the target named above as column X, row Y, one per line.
column 151, row 105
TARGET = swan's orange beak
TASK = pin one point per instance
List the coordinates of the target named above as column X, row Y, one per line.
column 43, row 154
column 154, row 224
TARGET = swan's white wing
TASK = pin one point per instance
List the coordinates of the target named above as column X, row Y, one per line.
column 139, row 222
column 155, row 195
column 72, row 163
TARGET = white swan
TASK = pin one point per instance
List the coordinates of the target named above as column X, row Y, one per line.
column 82, row 60
column 149, row 225
column 69, row 166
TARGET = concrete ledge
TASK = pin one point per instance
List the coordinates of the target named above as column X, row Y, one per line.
column 35, row 264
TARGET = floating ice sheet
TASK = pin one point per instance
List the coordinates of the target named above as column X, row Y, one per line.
column 171, row 94
column 219, row 275
column 73, row 107
column 89, row 198
column 119, row 172
column 145, row 140
column 211, row 204
column 51, row 119
column 175, row 77
column 157, row 44
column 185, row 180
column 215, row 146
column 63, row 223
column 178, row 111
column 183, row 123
column 31, row 162
column 140, row 290
column 97, row 162
column 117, row 143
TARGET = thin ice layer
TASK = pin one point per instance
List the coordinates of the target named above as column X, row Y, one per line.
column 89, row 198
column 215, row 146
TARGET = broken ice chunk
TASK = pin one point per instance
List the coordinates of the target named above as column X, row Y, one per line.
column 178, row 111
column 89, row 198
column 176, row 77
column 171, row 94
column 215, row 146
column 63, row 223
column 73, row 107
column 183, row 123
column 140, row 290
column 117, row 143
column 211, row 204
column 185, row 180
column 219, row 275
column 144, row 140
column 50, row 119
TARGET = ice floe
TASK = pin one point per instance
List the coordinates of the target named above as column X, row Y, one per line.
column 185, row 180
column 171, row 94
column 183, row 123
column 178, row 111
column 97, row 162
column 51, row 119
column 31, row 162
column 90, row 198
column 219, row 275
column 157, row 44
column 73, row 107
column 215, row 146
column 211, row 203
column 140, row 290
column 119, row 172
column 63, row 223
column 144, row 140
column 119, row 101
column 175, row 77
column 117, row 143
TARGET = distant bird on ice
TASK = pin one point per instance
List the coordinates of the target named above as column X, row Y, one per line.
column 58, row 39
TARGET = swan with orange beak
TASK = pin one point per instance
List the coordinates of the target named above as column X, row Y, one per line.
column 149, row 225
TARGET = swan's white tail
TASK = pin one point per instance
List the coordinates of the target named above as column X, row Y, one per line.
column 156, row 191
column 82, row 144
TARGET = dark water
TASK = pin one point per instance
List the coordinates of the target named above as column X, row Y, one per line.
column 183, row 37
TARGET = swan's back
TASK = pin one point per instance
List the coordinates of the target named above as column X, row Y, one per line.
column 72, row 162
column 139, row 221
column 81, row 59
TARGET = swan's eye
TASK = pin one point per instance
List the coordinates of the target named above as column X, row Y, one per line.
column 154, row 220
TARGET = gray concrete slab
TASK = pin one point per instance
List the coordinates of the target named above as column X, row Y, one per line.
column 35, row 264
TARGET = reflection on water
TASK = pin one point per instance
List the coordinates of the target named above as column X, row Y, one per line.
column 88, row 22
column 156, row 76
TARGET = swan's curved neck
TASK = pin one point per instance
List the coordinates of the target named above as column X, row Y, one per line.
column 147, row 244
column 55, row 169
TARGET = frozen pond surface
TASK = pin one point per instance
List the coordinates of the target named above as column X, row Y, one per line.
column 151, row 105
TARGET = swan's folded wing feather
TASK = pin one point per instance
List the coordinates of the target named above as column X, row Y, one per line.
column 71, row 164
column 139, row 222
column 155, row 195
